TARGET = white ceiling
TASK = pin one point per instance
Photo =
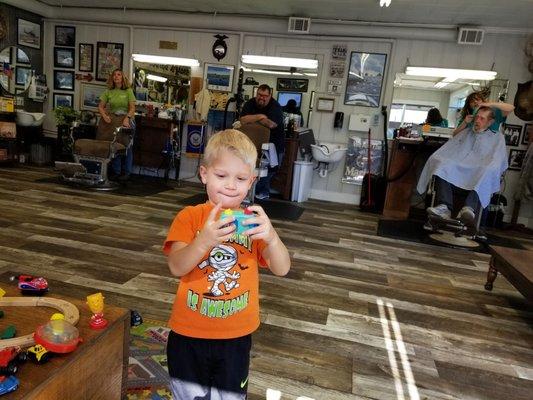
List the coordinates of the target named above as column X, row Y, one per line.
column 489, row 13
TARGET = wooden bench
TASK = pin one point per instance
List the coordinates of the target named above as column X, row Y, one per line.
column 516, row 265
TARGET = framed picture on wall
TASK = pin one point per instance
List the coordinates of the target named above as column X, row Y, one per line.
column 28, row 33
column 85, row 63
column 22, row 57
column 22, row 75
column 516, row 159
column 90, row 96
column 108, row 58
column 219, row 77
column 525, row 137
column 63, row 100
column 325, row 104
column 64, row 57
column 512, row 134
column 365, row 79
column 63, row 80
column 292, row 85
column 65, row 36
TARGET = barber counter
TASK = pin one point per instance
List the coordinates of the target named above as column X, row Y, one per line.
column 407, row 159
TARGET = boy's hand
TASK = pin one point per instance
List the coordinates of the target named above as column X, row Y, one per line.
column 469, row 118
column 264, row 230
column 215, row 231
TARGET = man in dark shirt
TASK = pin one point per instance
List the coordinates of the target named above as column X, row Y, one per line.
column 266, row 111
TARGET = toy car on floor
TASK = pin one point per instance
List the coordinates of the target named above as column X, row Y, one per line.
column 8, row 384
column 32, row 285
column 10, row 358
column 38, row 354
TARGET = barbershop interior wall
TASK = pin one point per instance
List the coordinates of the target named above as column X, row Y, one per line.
column 85, row 33
column 503, row 51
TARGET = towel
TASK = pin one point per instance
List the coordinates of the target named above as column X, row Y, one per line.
column 269, row 154
column 471, row 161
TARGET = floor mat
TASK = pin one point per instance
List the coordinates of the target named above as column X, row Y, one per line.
column 275, row 209
column 413, row 231
column 137, row 185
column 147, row 371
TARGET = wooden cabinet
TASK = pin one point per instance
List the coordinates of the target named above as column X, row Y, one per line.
column 407, row 159
column 282, row 181
column 97, row 369
column 151, row 138
column 8, row 138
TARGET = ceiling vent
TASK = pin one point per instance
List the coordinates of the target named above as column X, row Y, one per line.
column 470, row 36
column 299, row 25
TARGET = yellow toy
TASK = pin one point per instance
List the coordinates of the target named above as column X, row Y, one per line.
column 96, row 305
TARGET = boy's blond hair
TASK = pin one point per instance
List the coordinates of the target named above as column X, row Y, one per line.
column 234, row 141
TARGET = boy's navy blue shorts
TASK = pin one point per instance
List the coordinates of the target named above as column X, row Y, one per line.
column 209, row 364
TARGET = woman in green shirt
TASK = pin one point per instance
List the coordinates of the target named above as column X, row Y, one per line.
column 121, row 100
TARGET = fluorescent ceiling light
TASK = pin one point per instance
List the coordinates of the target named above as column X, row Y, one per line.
column 156, row 78
column 188, row 62
column 445, row 82
column 266, row 71
column 280, row 61
column 385, row 3
column 452, row 73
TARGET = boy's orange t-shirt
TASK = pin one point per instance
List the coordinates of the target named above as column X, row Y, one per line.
column 219, row 297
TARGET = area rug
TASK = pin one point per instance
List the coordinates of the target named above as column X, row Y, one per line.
column 137, row 185
column 147, row 371
column 412, row 230
column 275, row 208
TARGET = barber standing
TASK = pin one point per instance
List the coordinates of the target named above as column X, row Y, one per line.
column 121, row 100
column 266, row 111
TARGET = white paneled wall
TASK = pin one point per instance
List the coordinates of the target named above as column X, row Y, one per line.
column 85, row 33
column 190, row 45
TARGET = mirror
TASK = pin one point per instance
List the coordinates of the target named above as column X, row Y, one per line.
column 298, row 85
column 158, row 83
column 15, row 70
column 413, row 96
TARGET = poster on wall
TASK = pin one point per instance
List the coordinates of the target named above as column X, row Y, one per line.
column 195, row 139
column 356, row 165
column 108, row 58
column 336, row 69
column 219, row 77
column 339, row 52
column 365, row 79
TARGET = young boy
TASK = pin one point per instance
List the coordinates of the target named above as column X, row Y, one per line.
column 217, row 304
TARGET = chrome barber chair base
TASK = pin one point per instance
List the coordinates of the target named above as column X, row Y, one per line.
column 451, row 239
column 77, row 174
column 451, row 232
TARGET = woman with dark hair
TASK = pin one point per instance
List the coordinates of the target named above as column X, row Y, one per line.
column 121, row 101
column 292, row 108
column 478, row 99
column 435, row 119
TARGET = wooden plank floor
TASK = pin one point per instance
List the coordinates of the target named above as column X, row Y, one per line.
column 358, row 316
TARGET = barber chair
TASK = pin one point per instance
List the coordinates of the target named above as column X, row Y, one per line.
column 92, row 156
column 260, row 136
column 452, row 231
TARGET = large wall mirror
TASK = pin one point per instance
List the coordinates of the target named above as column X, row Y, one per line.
column 287, row 84
column 414, row 96
column 15, row 70
column 165, row 84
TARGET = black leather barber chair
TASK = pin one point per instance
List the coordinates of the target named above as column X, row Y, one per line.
column 92, row 156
